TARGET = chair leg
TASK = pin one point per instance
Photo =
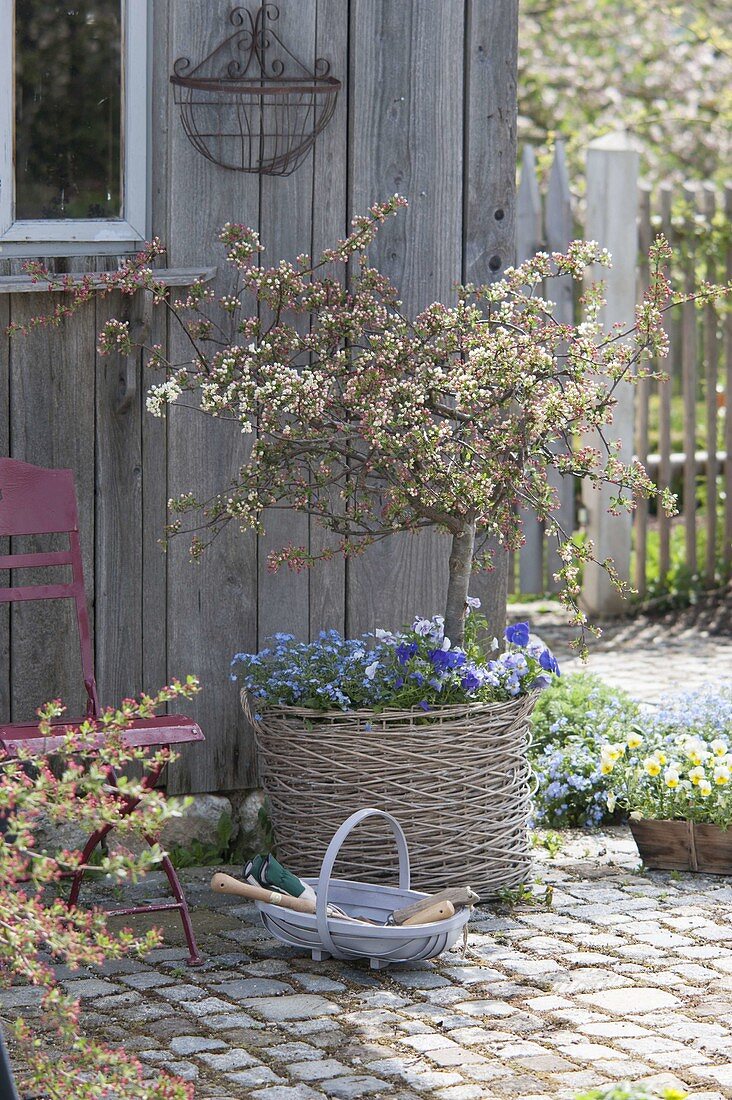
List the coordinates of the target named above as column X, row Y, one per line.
column 194, row 957
column 95, row 839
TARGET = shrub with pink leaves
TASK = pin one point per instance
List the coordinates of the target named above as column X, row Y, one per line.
column 37, row 929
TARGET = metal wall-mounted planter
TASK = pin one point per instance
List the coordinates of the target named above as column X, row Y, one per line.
column 251, row 105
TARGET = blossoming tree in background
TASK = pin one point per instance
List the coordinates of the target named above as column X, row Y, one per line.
column 38, row 930
column 373, row 422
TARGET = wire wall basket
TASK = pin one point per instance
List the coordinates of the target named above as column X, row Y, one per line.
column 251, row 105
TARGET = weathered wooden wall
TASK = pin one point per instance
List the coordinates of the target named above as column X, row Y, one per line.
column 427, row 109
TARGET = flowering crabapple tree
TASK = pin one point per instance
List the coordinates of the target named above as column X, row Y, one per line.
column 38, row 930
column 374, row 422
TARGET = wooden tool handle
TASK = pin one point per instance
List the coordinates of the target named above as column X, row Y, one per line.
column 226, row 884
column 441, row 910
column 456, row 895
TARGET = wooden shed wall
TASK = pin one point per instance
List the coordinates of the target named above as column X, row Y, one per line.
column 427, row 109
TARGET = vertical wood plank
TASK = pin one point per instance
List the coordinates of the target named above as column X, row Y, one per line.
column 689, row 373
column 154, row 438
column 665, row 390
column 709, row 207
column 52, row 424
column 211, row 606
column 640, row 522
column 559, row 221
column 286, row 231
column 406, row 110
column 5, row 302
column 529, row 240
column 728, row 395
column 118, row 528
column 491, row 45
column 329, row 221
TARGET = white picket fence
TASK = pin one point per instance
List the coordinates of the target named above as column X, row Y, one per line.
column 624, row 215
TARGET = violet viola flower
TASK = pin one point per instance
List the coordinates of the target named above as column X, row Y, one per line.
column 444, row 659
column 404, row 651
column 548, row 661
column 470, row 682
column 518, row 634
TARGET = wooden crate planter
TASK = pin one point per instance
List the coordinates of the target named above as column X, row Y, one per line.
column 683, row 846
column 457, row 779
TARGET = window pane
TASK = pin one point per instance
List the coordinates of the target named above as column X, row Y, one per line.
column 68, row 109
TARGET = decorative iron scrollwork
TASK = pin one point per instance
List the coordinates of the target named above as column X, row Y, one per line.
column 252, row 105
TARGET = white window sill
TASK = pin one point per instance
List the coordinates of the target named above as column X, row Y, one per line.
column 169, row 276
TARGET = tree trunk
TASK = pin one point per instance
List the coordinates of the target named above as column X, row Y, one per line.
column 458, row 586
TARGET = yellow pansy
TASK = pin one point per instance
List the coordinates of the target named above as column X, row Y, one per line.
column 661, row 758
column 696, row 775
column 613, row 752
column 721, row 776
column 606, row 767
column 718, row 747
column 705, row 788
column 671, row 777
column 634, row 740
column 652, row 765
column 693, row 748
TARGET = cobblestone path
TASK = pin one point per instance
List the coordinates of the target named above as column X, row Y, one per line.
column 625, row 976
column 650, row 658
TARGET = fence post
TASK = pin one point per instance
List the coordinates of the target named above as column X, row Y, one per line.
column 612, row 211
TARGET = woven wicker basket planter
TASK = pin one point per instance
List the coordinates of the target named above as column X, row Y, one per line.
column 457, row 778
column 683, row 846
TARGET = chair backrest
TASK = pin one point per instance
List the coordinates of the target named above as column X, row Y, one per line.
column 36, row 501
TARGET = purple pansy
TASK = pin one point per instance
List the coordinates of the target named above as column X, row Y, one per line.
column 518, row 634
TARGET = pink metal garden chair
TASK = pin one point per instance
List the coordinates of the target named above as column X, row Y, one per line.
column 36, row 501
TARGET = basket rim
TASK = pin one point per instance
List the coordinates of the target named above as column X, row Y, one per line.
column 391, row 713
column 384, row 932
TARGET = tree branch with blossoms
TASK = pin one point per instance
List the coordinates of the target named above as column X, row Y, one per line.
column 373, row 422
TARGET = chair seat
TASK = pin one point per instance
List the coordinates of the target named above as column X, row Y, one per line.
column 163, row 729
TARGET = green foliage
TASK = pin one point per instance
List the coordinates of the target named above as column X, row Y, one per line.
column 631, row 1092
column 580, row 707
column 658, row 68
column 198, row 854
column 680, row 586
column 512, row 897
column 570, row 720
column 552, row 842
column 266, row 830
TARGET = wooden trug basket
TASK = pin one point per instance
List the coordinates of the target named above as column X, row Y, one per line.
column 328, row 937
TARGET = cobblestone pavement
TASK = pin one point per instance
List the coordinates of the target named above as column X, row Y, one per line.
column 626, row 976
column 650, row 658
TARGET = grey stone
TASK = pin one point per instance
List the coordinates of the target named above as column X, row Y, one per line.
column 148, row 980
column 194, row 1044
column 257, row 1075
column 345, row 1088
column 209, row 1006
column 181, row 992
column 320, row 1070
column 90, row 987
column 185, row 1070
column 236, row 1058
column 287, row 1092
column 232, row 1021
column 20, row 997
column 197, row 821
column 301, row 1006
column 252, row 987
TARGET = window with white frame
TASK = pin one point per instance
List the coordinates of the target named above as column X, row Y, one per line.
column 73, row 125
